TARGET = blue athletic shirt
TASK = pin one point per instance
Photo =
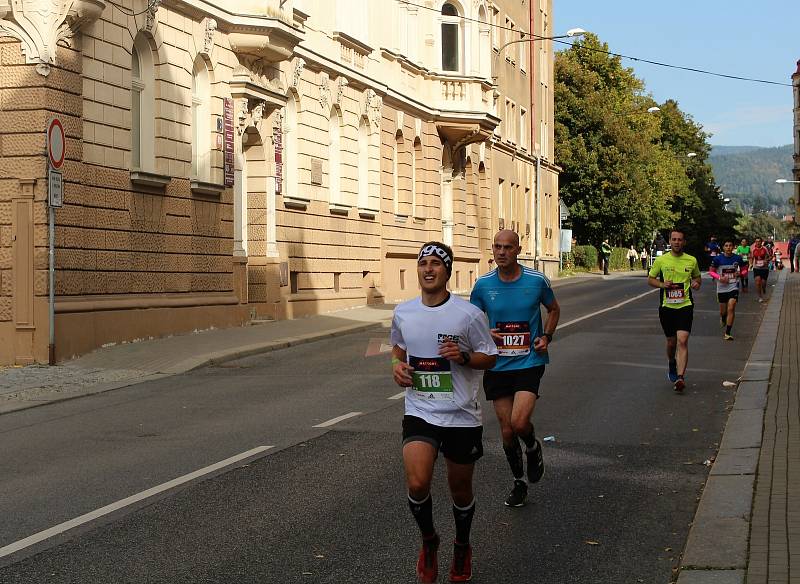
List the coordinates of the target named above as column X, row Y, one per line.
column 515, row 309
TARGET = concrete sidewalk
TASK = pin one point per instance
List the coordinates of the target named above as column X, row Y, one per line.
column 747, row 525
column 127, row 364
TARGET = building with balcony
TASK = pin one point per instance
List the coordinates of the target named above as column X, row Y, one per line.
column 282, row 159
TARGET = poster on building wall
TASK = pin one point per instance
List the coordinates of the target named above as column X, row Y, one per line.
column 277, row 140
column 227, row 115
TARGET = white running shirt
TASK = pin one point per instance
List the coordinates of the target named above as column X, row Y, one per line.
column 444, row 393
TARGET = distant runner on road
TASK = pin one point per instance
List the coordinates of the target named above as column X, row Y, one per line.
column 512, row 296
column 727, row 269
column 744, row 250
column 676, row 274
column 439, row 341
column 760, row 256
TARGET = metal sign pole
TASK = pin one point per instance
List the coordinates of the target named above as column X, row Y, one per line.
column 51, row 212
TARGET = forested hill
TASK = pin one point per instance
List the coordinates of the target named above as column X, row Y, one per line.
column 746, row 174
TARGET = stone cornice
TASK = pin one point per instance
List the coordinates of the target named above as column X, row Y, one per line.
column 40, row 25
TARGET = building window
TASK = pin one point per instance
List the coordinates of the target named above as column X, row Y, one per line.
column 416, row 179
column 523, row 53
column 142, row 106
column 201, row 114
column 451, row 38
column 334, row 157
column 523, row 129
column 290, row 150
column 363, row 164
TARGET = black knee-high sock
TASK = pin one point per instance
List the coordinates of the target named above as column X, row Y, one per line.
column 463, row 517
column 514, row 457
column 529, row 439
column 423, row 514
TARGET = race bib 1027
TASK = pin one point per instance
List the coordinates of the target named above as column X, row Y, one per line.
column 516, row 337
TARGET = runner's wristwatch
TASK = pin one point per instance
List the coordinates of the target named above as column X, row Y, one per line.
column 466, row 356
column 549, row 337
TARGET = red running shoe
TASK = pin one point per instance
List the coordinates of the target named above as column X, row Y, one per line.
column 461, row 568
column 428, row 563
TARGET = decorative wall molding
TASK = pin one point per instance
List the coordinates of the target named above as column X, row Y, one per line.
column 209, row 26
column 40, row 25
column 150, row 14
column 372, row 107
column 324, row 92
column 297, row 71
column 341, row 83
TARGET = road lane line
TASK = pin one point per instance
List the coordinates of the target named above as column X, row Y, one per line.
column 97, row 513
column 398, row 395
column 590, row 315
column 337, row 420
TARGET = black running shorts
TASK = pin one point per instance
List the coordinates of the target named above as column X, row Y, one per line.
column 462, row 445
column 498, row 384
column 676, row 319
column 762, row 273
column 723, row 297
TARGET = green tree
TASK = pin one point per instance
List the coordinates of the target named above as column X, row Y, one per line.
column 618, row 179
column 761, row 225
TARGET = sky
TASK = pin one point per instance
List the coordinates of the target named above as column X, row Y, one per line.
column 735, row 37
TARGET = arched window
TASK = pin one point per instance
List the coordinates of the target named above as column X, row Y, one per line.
column 201, row 115
column 363, row 164
column 451, row 38
column 417, row 182
column 142, row 106
column 334, row 157
column 290, row 148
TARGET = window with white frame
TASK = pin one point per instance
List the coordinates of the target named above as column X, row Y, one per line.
column 523, row 53
column 417, row 182
column 142, row 106
column 451, row 38
column 501, row 186
column 201, row 114
column 523, row 128
column 495, row 28
column 511, row 35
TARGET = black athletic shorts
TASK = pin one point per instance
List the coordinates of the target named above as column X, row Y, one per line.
column 676, row 319
column 723, row 297
column 498, row 384
column 462, row 445
column 762, row 273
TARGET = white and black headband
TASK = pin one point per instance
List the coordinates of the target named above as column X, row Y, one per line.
column 435, row 250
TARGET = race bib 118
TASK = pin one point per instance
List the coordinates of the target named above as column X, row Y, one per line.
column 432, row 377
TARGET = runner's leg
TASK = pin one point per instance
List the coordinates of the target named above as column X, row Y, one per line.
column 682, row 351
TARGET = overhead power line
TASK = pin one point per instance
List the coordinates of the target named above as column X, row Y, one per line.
column 611, row 53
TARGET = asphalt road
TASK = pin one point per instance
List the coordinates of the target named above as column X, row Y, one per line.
column 328, row 504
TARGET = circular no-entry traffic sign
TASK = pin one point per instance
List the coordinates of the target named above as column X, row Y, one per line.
column 56, row 143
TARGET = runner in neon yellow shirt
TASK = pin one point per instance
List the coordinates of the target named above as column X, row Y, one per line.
column 676, row 274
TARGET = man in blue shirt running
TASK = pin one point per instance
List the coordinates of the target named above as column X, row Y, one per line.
column 727, row 269
column 511, row 295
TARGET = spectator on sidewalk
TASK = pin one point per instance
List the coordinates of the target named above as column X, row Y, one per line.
column 605, row 254
column 795, row 239
column 632, row 256
column 643, row 257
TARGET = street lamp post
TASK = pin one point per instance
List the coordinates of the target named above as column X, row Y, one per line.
column 573, row 32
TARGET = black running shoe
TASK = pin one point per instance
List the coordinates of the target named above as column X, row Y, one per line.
column 518, row 495
column 535, row 462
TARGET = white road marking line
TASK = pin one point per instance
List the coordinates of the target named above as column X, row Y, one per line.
column 661, row 367
column 585, row 316
column 398, row 395
column 337, row 419
column 97, row 513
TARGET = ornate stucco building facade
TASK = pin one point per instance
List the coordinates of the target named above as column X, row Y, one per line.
column 284, row 159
